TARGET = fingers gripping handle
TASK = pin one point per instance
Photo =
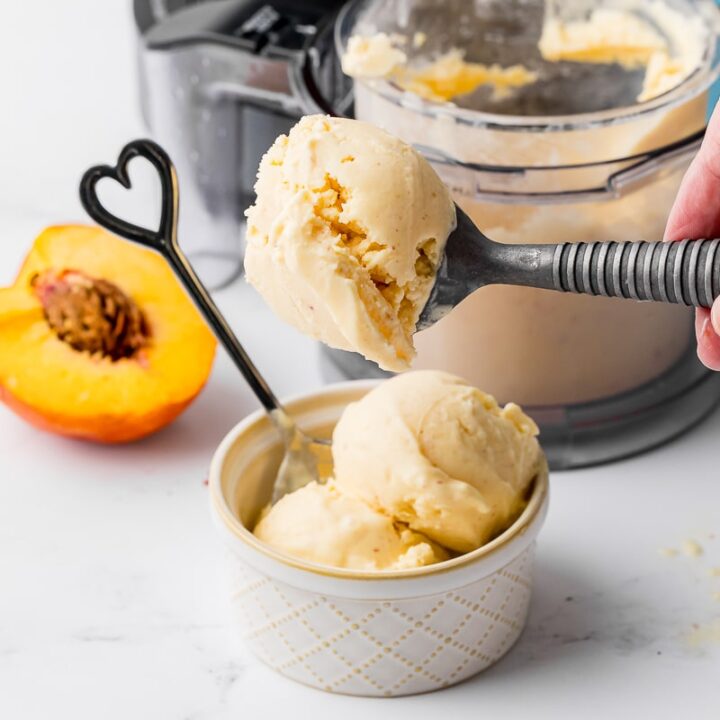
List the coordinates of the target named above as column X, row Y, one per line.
column 686, row 272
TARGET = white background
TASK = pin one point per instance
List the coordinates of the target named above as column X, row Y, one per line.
column 110, row 602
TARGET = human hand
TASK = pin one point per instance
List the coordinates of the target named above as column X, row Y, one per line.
column 696, row 214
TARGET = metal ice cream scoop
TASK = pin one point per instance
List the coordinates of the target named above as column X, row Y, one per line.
column 300, row 462
column 686, row 272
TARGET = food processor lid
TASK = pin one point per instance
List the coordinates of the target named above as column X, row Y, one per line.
column 277, row 28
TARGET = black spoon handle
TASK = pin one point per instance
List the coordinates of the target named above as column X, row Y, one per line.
column 164, row 241
column 685, row 272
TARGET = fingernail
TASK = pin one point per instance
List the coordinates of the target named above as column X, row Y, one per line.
column 706, row 330
column 715, row 318
column 706, row 336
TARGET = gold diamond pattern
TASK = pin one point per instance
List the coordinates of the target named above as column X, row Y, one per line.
column 382, row 648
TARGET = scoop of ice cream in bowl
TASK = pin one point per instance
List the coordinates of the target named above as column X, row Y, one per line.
column 408, row 567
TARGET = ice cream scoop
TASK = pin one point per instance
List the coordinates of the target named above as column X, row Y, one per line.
column 686, row 272
column 354, row 240
column 300, row 462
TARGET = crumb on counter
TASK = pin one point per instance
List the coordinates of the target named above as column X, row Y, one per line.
column 704, row 634
column 692, row 548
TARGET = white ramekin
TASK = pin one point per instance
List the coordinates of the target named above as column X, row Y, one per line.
column 377, row 634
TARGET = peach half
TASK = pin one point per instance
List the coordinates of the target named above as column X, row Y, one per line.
column 97, row 338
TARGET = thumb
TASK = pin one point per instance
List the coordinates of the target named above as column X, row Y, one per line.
column 706, row 330
column 696, row 214
column 696, row 210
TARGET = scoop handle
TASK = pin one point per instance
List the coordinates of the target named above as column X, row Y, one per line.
column 685, row 272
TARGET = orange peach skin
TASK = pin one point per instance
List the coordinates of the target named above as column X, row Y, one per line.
column 107, row 429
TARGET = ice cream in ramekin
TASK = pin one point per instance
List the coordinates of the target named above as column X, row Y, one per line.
column 397, row 632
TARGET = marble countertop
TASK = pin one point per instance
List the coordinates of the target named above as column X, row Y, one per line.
column 110, row 599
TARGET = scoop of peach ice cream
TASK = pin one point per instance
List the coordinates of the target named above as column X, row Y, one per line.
column 438, row 455
column 346, row 235
column 322, row 525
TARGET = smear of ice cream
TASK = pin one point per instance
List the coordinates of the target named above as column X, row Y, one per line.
column 442, row 79
column 373, row 56
column 451, row 76
column 606, row 36
column 611, row 35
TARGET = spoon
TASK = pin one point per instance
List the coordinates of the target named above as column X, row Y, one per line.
column 685, row 272
column 299, row 465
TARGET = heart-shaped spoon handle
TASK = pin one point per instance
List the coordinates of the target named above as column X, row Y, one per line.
column 164, row 241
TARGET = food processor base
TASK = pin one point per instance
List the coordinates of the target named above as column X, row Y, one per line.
column 586, row 434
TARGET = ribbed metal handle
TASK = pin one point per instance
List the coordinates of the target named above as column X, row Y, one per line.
column 686, row 272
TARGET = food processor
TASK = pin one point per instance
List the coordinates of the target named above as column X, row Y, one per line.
column 572, row 156
column 219, row 81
